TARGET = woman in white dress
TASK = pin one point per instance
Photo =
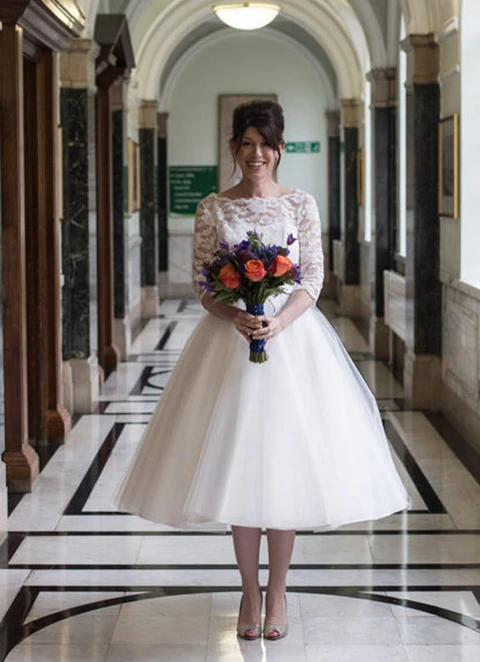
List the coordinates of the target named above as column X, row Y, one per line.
column 294, row 443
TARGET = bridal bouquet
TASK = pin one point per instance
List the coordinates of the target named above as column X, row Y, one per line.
column 250, row 271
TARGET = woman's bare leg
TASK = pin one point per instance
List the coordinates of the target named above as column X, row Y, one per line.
column 246, row 543
column 280, row 548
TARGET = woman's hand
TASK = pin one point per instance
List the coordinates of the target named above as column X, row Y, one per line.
column 247, row 324
column 270, row 327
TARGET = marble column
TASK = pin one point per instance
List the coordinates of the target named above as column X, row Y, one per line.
column 382, row 247
column 77, row 109
column 3, row 473
column 352, row 117
column 162, row 197
column 424, row 325
column 123, row 334
column 147, row 122
column 334, row 205
column 20, row 458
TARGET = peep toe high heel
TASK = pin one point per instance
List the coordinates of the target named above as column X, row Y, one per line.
column 274, row 632
column 249, row 632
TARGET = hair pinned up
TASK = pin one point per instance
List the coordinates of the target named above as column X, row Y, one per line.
column 264, row 116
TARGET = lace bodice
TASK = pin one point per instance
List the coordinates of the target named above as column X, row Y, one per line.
column 220, row 218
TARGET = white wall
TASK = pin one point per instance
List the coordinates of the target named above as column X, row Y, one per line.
column 256, row 63
column 470, row 142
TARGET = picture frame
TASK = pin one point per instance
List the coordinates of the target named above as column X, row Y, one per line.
column 131, row 176
column 134, row 190
column 448, row 171
column 361, row 176
column 60, row 199
column 227, row 175
column 137, row 177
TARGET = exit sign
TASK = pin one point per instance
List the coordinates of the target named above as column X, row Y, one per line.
column 303, row 148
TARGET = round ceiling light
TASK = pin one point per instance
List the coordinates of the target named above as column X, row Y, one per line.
column 247, row 15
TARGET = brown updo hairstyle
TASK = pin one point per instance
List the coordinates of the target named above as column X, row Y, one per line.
column 264, row 116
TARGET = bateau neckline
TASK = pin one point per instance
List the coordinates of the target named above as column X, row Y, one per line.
column 257, row 197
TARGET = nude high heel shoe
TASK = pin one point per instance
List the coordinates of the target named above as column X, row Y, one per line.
column 274, row 632
column 248, row 632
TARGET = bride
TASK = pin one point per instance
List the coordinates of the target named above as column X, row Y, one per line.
column 294, row 443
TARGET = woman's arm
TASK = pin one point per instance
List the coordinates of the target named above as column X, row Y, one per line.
column 245, row 323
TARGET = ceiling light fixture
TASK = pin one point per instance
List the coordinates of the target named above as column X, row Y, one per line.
column 247, row 15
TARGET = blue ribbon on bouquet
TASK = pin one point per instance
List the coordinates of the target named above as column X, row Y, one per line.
column 257, row 346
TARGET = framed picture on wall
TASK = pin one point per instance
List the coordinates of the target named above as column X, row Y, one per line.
column 448, row 166
column 133, row 176
column 361, row 176
column 227, row 103
column 60, row 171
column 137, row 177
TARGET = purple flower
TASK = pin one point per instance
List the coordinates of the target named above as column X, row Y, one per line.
column 291, row 239
column 295, row 273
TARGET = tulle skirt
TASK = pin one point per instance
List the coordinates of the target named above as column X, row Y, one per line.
column 294, row 443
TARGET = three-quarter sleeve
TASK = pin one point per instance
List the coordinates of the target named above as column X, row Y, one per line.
column 311, row 250
column 204, row 243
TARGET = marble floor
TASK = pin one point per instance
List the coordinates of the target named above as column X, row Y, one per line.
column 81, row 582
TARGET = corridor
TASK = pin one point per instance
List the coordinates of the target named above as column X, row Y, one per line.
column 83, row 582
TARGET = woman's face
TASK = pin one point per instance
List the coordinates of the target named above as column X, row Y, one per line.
column 256, row 160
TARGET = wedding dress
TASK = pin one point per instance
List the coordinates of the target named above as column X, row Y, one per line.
column 293, row 443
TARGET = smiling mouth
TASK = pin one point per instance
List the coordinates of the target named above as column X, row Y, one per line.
column 255, row 164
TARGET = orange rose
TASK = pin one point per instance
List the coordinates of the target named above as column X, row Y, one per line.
column 280, row 266
column 229, row 277
column 254, row 270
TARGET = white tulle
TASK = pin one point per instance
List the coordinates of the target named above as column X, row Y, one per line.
column 294, row 443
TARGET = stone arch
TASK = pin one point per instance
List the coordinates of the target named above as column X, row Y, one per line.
column 330, row 95
column 170, row 26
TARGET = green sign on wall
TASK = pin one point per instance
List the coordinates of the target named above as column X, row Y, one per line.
column 188, row 185
column 303, row 148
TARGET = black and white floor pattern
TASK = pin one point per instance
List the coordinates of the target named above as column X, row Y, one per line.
column 80, row 582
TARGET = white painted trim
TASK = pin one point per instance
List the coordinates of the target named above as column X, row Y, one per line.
column 448, row 29
column 393, row 32
column 217, row 37
column 450, row 73
column 373, row 32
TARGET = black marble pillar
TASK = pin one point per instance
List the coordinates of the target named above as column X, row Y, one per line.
column 2, row 390
column 79, row 219
column 334, row 227
column 162, row 191
column 148, row 230
column 334, row 197
column 424, row 307
column 162, row 203
column 382, row 250
column 350, row 239
column 120, row 256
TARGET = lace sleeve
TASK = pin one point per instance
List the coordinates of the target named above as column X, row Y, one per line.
column 311, row 252
column 204, row 242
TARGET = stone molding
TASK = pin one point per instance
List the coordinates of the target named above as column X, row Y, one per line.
column 384, row 87
column 149, row 301
column 119, row 93
column 448, row 29
column 147, row 114
column 423, row 58
column 352, row 113
column 77, row 64
column 333, row 123
column 81, row 379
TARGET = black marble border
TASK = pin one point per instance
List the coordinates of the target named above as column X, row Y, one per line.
column 13, row 629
